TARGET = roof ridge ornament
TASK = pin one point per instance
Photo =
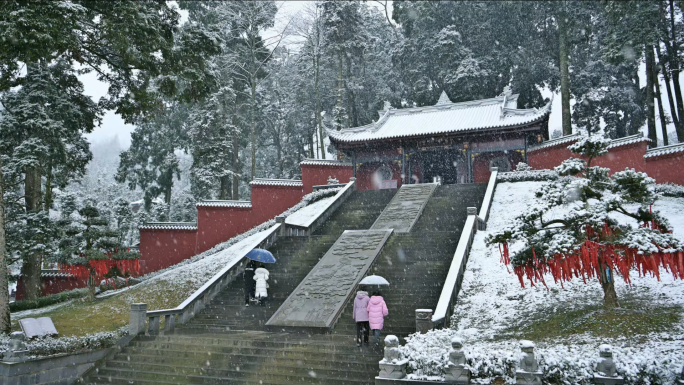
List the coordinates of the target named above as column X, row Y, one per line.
column 507, row 91
column 443, row 99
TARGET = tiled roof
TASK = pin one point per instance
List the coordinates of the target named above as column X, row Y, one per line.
column 219, row 203
column 555, row 142
column 169, row 226
column 628, row 140
column 444, row 117
column 54, row 274
column 276, row 182
column 324, row 162
column 664, row 150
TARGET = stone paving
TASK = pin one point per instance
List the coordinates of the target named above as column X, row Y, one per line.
column 405, row 208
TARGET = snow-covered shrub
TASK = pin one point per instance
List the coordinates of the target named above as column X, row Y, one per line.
column 522, row 166
column 527, row 176
column 571, row 166
column 49, row 346
column 560, row 363
column 670, row 190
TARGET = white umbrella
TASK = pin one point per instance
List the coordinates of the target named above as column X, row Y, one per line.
column 374, row 280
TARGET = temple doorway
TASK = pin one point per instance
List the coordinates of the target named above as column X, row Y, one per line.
column 449, row 166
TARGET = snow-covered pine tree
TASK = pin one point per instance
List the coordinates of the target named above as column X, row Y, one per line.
column 43, row 126
column 587, row 241
column 150, row 162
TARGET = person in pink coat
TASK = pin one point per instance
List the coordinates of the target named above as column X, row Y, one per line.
column 377, row 311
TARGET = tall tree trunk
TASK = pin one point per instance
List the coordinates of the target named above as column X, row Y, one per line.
column 321, row 140
column 673, row 57
column 564, row 60
column 340, row 88
column 252, row 126
column 661, row 110
column 670, row 98
column 4, row 285
column 650, row 110
column 610, row 299
column 225, row 192
column 32, row 262
column 236, row 164
column 48, row 187
column 167, row 192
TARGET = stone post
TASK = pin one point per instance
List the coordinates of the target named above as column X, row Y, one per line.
column 472, row 210
column 137, row 321
column 169, row 322
column 392, row 366
column 528, row 372
column 680, row 381
column 423, row 320
column 283, row 228
column 457, row 372
column 492, row 169
column 607, row 373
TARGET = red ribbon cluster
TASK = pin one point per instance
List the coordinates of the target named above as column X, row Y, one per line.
column 593, row 257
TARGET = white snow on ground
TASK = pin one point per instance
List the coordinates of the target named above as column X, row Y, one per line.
column 492, row 305
column 304, row 215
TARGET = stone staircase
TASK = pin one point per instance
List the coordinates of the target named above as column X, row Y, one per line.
column 416, row 264
column 227, row 343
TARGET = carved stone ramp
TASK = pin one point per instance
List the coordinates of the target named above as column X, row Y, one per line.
column 405, row 208
column 319, row 299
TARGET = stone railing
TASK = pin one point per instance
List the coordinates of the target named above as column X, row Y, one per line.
column 454, row 279
column 306, row 229
column 487, row 200
column 527, row 372
column 202, row 296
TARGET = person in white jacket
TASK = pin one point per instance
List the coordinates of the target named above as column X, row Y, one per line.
column 261, row 276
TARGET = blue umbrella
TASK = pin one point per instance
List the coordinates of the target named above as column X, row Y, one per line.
column 261, row 255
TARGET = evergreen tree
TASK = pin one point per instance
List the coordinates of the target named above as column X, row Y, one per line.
column 150, row 162
column 586, row 240
column 130, row 44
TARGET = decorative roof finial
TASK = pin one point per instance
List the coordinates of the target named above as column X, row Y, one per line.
column 443, row 99
column 507, row 91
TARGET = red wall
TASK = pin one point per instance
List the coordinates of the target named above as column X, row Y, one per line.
column 269, row 201
column 219, row 224
column 664, row 168
column 53, row 285
column 316, row 175
column 160, row 249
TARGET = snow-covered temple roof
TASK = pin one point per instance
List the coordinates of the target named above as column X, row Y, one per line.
column 445, row 117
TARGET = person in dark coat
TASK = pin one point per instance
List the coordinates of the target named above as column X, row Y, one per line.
column 250, row 284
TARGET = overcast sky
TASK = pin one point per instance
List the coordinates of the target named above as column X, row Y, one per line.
column 114, row 126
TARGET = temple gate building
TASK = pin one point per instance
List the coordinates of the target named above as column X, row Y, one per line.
column 448, row 142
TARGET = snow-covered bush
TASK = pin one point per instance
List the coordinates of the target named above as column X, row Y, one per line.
column 522, row 166
column 48, row 300
column 560, row 363
column 49, row 346
column 670, row 190
column 527, row 176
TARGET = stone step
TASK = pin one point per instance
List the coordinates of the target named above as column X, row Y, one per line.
column 351, row 370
